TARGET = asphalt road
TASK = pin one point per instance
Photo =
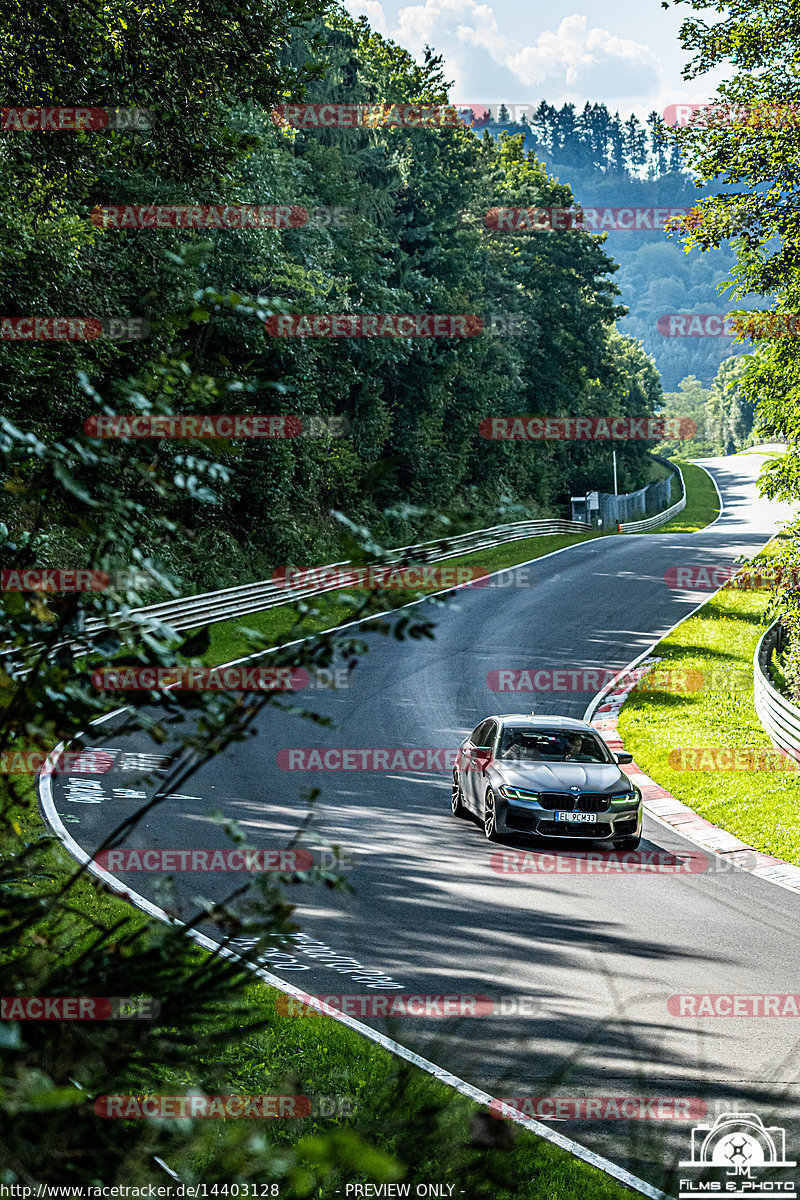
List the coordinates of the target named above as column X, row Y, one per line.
column 596, row 957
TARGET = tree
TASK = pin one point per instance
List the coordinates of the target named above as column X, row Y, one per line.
column 746, row 144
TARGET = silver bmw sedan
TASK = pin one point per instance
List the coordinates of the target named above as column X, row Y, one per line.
column 551, row 777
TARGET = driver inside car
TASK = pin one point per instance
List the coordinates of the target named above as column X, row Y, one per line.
column 521, row 745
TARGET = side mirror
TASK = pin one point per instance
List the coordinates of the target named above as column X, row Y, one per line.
column 623, row 757
column 481, row 756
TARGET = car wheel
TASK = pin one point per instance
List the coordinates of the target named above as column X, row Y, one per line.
column 490, row 817
column 456, row 798
column 628, row 843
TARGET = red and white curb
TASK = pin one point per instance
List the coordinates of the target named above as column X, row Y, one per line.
column 666, row 808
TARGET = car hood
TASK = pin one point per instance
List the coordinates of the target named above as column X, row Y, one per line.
column 558, row 777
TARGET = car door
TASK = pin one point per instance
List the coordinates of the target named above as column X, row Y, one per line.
column 467, row 772
column 479, row 759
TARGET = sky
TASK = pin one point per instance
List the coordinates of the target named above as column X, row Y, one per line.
column 623, row 53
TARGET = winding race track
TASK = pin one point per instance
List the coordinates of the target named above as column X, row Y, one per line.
column 595, row 956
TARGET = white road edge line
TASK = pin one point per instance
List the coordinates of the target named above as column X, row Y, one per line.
column 466, row 1089
column 460, row 1085
column 696, row 462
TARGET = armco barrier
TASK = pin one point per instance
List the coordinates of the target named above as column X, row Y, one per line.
column 256, row 597
column 780, row 718
column 190, row 612
column 662, row 517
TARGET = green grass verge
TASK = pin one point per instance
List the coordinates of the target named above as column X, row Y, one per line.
column 760, row 807
column 418, row 1129
column 230, row 640
column 702, row 503
column 397, row 1108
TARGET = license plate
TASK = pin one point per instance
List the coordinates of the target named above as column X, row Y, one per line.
column 570, row 816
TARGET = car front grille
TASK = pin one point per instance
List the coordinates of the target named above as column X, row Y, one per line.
column 588, row 802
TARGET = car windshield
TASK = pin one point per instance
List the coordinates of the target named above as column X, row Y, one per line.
column 551, row 745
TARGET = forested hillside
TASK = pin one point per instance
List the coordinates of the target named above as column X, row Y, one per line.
column 611, row 162
column 408, row 236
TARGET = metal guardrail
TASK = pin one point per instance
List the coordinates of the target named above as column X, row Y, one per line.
column 662, row 517
column 189, row 612
column 780, row 718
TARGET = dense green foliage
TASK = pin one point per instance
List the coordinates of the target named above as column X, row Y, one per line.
column 614, row 163
column 414, row 240
column 748, row 151
column 723, row 414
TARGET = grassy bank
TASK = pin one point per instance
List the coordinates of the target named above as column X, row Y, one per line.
column 759, row 806
column 431, row 1131
column 702, row 502
column 230, row 639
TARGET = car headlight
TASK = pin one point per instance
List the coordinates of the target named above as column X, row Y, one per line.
column 512, row 793
column 625, row 798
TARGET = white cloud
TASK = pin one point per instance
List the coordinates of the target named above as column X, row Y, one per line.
column 372, row 10
column 590, row 62
column 571, row 63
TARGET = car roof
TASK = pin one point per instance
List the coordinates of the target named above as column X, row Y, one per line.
column 528, row 721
